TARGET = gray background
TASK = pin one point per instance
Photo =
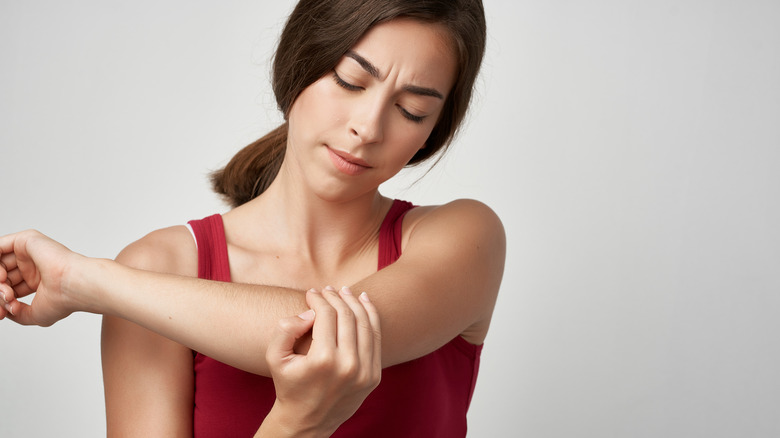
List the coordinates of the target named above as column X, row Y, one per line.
column 632, row 149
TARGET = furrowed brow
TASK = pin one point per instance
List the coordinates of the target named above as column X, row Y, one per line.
column 422, row 91
column 374, row 72
column 367, row 66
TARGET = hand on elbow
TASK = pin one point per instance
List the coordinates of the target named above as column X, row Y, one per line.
column 321, row 389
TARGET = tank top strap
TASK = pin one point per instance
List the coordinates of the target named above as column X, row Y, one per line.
column 391, row 233
column 213, row 261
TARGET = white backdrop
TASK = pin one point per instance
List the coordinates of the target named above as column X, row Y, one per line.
column 632, row 149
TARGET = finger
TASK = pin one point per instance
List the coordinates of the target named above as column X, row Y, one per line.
column 8, row 268
column 288, row 331
column 20, row 313
column 6, row 296
column 18, row 290
column 7, row 242
column 14, row 277
column 6, row 293
column 373, row 316
column 7, row 252
column 324, row 331
column 22, row 289
column 8, row 261
column 363, row 331
column 3, row 269
column 346, row 332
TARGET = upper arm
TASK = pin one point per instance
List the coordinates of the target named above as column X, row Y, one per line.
column 444, row 284
column 148, row 378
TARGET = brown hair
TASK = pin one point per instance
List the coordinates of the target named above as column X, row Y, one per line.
column 317, row 34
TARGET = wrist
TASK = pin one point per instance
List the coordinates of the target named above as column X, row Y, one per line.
column 281, row 423
column 80, row 280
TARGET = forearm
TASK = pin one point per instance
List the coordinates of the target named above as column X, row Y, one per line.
column 217, row 319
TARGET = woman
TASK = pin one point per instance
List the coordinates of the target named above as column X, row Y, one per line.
column 366, row 89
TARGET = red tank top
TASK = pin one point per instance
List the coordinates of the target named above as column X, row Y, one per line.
column 426, row 397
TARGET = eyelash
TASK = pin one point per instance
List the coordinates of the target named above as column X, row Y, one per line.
column 344, row 84
column 410, row 116
column 347, row 86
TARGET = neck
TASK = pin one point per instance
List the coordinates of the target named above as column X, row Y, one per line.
column 320, row 229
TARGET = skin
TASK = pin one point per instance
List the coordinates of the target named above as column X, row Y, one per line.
column 325, row 226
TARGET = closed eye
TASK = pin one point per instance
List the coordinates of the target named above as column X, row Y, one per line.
column 410, row 116
column 347, row 86
column 344, row 84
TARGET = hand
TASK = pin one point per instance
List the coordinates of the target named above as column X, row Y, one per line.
column 319, row 390
column 32, row 263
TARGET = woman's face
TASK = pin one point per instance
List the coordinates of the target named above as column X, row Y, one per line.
column 360, row 124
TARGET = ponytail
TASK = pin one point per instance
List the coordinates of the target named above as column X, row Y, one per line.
column 252, row 169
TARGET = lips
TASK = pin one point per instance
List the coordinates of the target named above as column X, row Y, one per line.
column 347, row 163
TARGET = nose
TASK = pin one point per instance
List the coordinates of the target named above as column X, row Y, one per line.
column 366, row 123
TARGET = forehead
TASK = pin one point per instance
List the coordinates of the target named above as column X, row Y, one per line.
column 417, row 51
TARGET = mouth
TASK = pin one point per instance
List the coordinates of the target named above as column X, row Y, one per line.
column 347, row 163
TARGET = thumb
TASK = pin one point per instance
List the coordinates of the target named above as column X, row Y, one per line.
column 288, row 331
column 23, row 314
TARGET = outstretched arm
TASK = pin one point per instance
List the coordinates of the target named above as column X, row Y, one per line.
column 444, row 285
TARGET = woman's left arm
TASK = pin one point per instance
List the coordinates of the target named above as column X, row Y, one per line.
column 444, row 285
column 317, row 391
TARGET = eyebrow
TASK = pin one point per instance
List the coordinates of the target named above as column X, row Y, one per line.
column 374, row 72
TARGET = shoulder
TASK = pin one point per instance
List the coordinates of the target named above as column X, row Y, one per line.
column 459, row 220
column 170, row 250
column 462, row 234
column 461, row 246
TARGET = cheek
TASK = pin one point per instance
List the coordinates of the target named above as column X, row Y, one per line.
column 406, row 142
column 304, row 104
column 316, row 105
column 413, row 135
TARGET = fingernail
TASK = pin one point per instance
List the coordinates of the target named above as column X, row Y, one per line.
column 330, row 288
column 364, row 297
column 312, row 290
column 346, row 291
column 2, row 294
column 307, row 315
column 8, row 308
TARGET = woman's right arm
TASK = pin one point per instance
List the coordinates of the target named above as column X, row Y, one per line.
column 148, row 379
column 441, row 287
